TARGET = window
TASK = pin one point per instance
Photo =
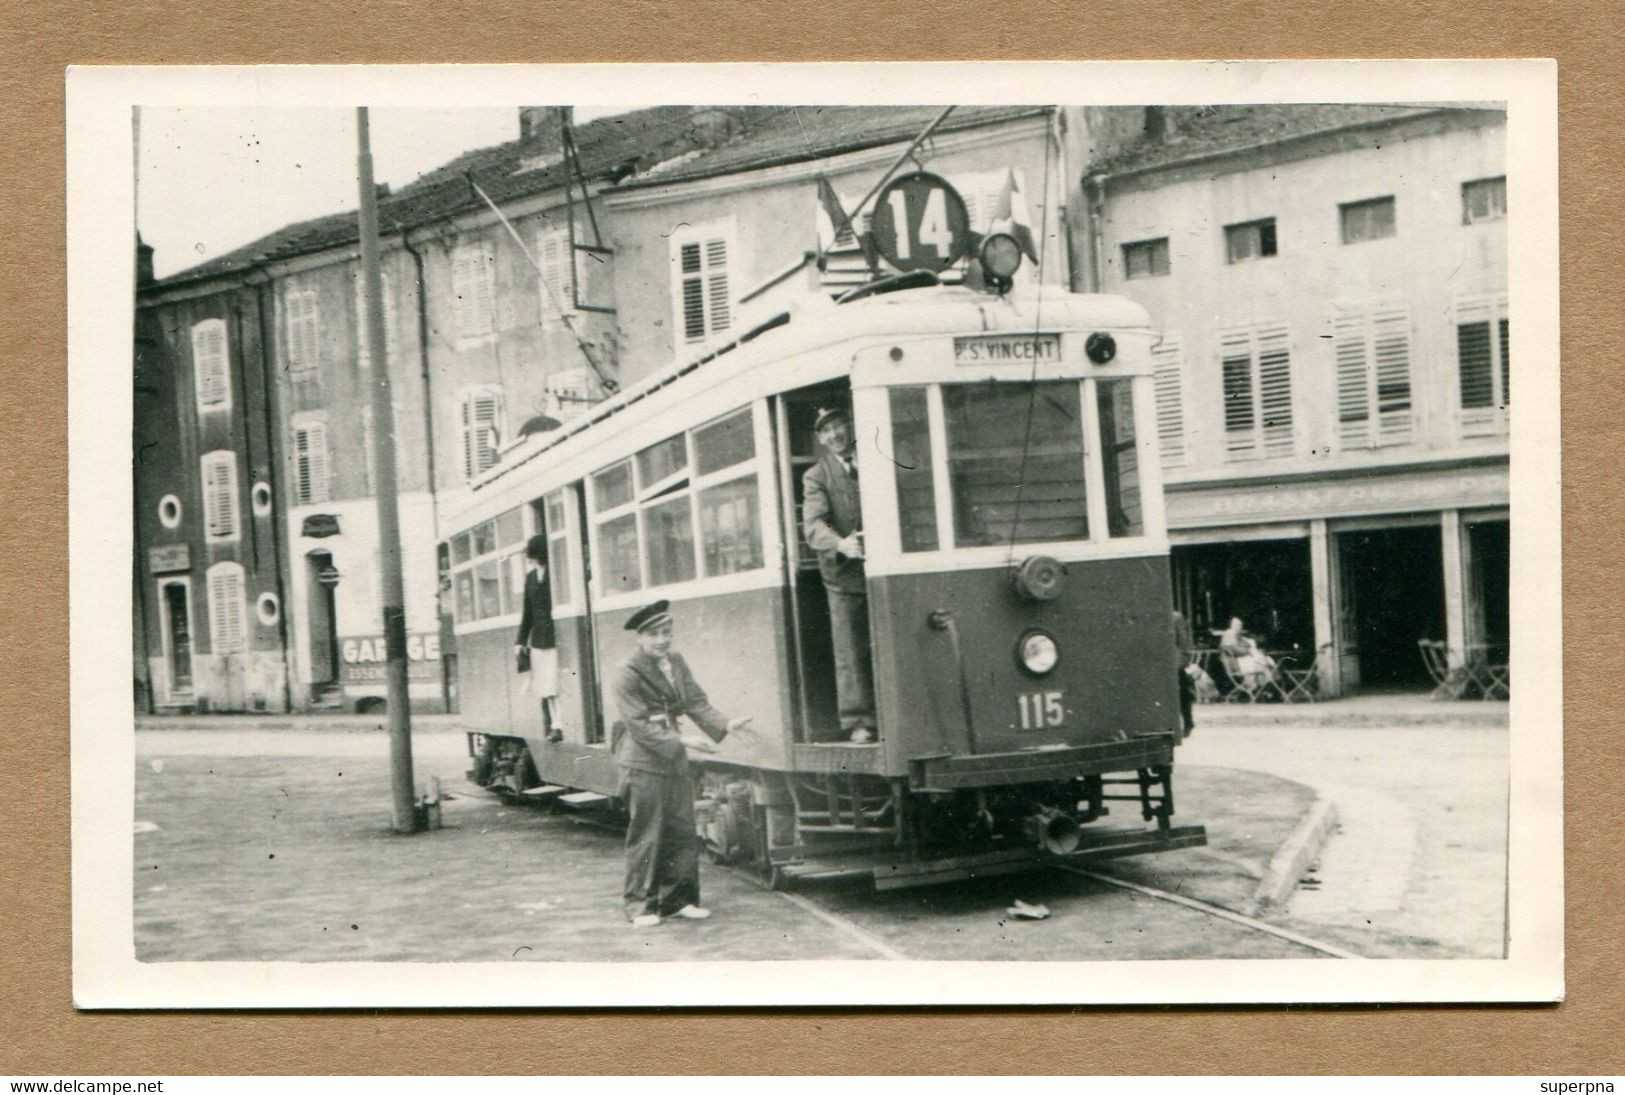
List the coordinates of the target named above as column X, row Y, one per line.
column 1146, row 259
column 210, row 365
column 1484, row 366
column 228, row 615
column 1484, row 200
column 1372, row 348
column 1015, row 462
column 556, row 257
column 303, row 330
column 557, row 509
column 701, row 291
column 1253, row 240
column 488, row 569
column 473, row 269
column 220, row 495
column 1367, row 220
column 1120, row 459
column 482, row 430
column 912, row 470
column 169, row 511
column 1168, row 371
column 363, row 334
column 1257, row 385
column 310, row 476
column 646, row 510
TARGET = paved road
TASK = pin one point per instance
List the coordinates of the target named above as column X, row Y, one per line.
column 273, row 845
column 1421, row 848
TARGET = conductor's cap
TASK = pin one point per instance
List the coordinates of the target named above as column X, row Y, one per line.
column 650, row 616
column 827, row 415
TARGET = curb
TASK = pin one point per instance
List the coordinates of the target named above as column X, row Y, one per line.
column 1293, row 857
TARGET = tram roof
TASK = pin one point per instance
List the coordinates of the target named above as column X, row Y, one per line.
column 816, row 321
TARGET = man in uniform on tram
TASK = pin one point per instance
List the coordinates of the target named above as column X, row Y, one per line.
column 833, row 524
column 653, row 689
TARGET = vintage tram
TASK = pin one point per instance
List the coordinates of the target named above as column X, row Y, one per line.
column 1017, row 569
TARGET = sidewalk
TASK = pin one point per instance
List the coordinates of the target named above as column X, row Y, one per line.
column 323, row 721
column 1381, row 709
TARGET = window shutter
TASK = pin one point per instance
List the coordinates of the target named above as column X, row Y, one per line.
column 472, row 305
column 1391, row 355
column 1353, row 369
column 482, row 431
column 716, row 266
column 210, row 365
column 363, row 336
column 1506, row 365
column 1275, row 390
column 220, row 495
column 1167, row 371
column 310, row 463
column 227, row 621
column 557, row 258
column 484, row 291
column 1482, row 365
column 1236, row 364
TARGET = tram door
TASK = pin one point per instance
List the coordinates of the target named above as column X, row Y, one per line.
column 809, row 606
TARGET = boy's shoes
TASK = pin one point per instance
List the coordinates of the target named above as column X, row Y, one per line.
column 647, row 920
column 692, row 912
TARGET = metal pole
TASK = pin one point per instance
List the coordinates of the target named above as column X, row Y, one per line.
column 375, row 367
column 892, row 170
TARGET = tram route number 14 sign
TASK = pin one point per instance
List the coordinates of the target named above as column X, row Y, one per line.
column 920, row 223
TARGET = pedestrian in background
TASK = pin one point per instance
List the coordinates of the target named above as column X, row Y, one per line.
column 653, row 690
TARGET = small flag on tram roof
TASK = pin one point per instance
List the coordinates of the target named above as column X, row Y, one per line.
column 839, row 222
column 1010, row 216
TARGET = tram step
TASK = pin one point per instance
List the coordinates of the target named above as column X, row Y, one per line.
column 546, row 790
column 583, row 798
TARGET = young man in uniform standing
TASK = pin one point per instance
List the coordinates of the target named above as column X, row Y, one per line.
column 833, row 524
column 653, row 689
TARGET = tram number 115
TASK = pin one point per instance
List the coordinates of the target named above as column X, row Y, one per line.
column 1040, row 710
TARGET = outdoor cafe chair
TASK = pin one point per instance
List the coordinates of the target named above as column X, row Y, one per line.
column 1449, row 682
column 1304, row 684
column 1491, row 680
column 1252, row 686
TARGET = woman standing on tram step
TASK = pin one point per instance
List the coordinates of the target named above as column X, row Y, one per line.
column 537, row 646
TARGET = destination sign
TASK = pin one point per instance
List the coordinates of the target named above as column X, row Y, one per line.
column 1007, row 349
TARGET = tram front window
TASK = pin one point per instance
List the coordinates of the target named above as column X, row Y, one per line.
column 1124, row 517
column 1014, row 462
column 911, row 461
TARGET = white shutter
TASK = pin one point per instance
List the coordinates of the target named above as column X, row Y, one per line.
column 556, row 257
column 719, row 307
column 227, row 614
column 220, row 495
column 702, row 285
column 302, row 329
column 473, row 296
column 1167, row 370
column 210, row 366
column 1372, row 348
column 482, row 430
column 1482, row 368
column 363, row 335
column 310, row 475
column 1391, row 379
column 1240, row 401
column 1275, row 390
column 1353, row 378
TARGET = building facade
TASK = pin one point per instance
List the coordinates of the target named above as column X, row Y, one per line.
column 1331, row 283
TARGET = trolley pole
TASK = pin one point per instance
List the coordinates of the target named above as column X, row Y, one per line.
column 375, row 367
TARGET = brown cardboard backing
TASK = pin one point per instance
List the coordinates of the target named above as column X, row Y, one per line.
column 47, row 1037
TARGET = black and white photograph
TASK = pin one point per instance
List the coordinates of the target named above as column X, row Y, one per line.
column 821, row 534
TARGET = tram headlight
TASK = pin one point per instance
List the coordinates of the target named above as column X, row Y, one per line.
column 1036, row 652
column 1001, row 256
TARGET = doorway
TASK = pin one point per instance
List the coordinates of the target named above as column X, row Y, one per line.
column 809, row 608
column 177, row 621
column 320, row 579
column 1393, row 596
column 1489, row 546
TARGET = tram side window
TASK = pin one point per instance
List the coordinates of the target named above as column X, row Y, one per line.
column 1015, row 462
column 558, row 548
column 647, row 509
column 911, row 460
column 487, row 568
column 1120, row 458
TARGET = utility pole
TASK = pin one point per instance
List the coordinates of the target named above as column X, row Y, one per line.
column 375, row 367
